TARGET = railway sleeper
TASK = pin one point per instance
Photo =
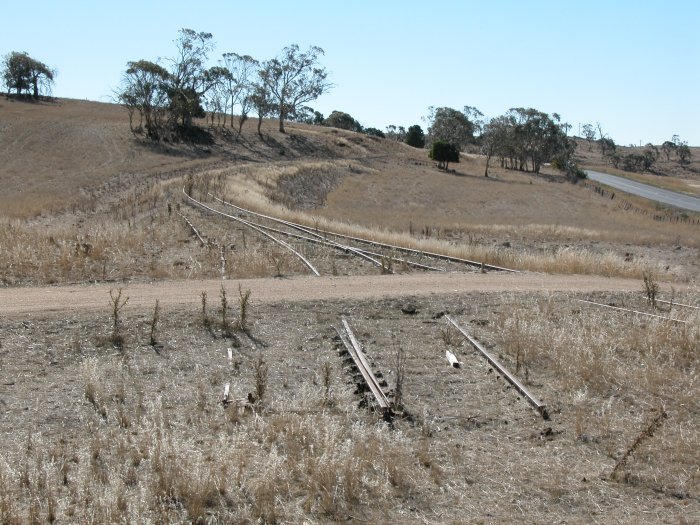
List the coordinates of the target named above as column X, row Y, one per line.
column 367, row 385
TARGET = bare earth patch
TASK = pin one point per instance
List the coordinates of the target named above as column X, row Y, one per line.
column 142, row 295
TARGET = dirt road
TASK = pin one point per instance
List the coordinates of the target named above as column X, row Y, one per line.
column 181, row 293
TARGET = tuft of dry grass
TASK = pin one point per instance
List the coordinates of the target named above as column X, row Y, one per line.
column 612, row 367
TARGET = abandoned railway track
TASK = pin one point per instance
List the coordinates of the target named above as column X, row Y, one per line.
column 334, row 253
column 371, row 384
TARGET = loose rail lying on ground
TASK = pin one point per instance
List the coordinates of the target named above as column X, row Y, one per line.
column 678, row 304
column 632, row 311
column 539, row 406
column 358, row 356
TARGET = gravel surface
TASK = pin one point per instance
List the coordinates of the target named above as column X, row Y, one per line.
column 170, row 293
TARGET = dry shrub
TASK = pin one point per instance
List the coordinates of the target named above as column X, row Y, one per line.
column 192, row 482
column 651, row 287
column 247, row 263
column 9, row 513
column 341, row 466
column 260, row 376
column 306, row 185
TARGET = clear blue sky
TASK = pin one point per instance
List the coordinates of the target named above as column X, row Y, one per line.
column 630, row 65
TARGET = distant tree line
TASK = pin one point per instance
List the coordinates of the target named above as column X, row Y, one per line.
column 636, row 161
column 27, row 77
column 162, row 98
column 523, row 139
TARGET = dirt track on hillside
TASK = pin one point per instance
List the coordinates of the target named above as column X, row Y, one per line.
column 180, row 293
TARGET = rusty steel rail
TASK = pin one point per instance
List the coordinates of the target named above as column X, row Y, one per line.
column 354, row 348
column 365, row 254
column 253, row 227
column 536, row 403
column 318, row 231
column 362, row 253
column 318, row 238
column 205, row 242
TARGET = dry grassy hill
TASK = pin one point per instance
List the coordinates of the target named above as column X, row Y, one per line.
column 55, row 154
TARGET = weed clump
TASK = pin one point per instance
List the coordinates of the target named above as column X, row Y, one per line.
column 400, row 370
column 651, row 287
column 154, row 324
column 225, row 327
column 260, row 375
column 117, row 304
column 205, row 317
column 647, row 433
column 243, row 304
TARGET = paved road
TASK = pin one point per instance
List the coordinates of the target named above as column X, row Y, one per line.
column 671, row 198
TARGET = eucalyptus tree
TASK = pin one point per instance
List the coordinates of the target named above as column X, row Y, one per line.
column 217, row 99
column 190, row 79
column 246, row 104
column 683, row 153
column 293, row 79
column 680, row 147
column 397, row 133
column 342, row 120
column 262, row 103
column 26, row 76
column 451, row 126
column 537, row 137
column 495, row 140
column 525, row 138
column 589, row 134
column 238, row 84
column 144, row 90
column 173, row 92
column 668, row 147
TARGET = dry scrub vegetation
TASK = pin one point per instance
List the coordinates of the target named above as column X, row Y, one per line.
column 95, row 433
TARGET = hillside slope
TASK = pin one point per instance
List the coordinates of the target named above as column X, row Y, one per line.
column 55, row 154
